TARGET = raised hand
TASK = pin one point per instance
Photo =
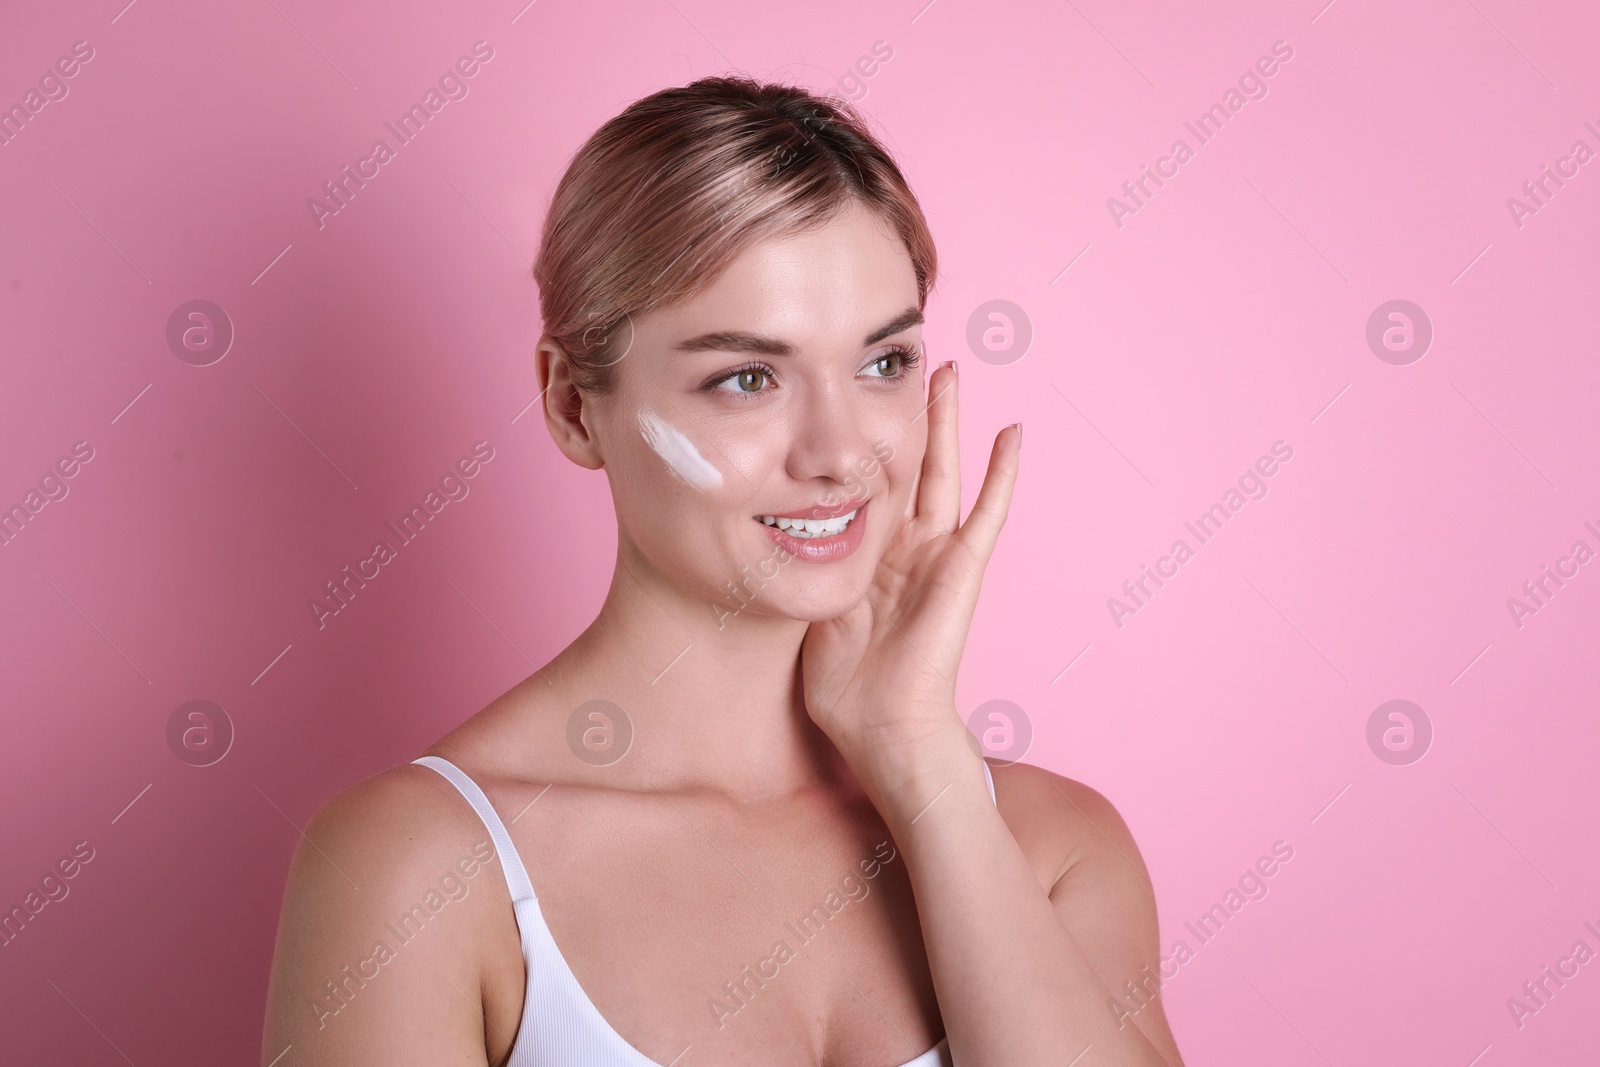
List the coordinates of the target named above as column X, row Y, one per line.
column 880, row 679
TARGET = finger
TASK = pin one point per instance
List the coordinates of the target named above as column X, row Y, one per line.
column 939, row 491
column 982, row 529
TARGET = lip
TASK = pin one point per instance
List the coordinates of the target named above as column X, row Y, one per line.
column 823, row 549
column 820, row 511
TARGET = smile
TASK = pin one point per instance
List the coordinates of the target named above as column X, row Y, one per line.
column 826, row 539
column 807, row 529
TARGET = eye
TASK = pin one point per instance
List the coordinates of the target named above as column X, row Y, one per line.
column 747, row 380
column 902, row 358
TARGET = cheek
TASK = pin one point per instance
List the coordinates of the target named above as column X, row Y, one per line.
column 748, row 454
column 899, row 454
column 898, row 449
column 678, row 452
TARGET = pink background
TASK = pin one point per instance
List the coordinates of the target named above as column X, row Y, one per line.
column 1228, row 313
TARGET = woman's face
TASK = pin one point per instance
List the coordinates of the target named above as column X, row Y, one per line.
column 783, row 389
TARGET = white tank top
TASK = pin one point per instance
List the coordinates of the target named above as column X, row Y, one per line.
column 561, row 1027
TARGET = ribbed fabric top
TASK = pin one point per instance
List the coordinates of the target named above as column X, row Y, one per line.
column 561, row 1027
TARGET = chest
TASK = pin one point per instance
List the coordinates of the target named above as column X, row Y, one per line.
column 787, row 936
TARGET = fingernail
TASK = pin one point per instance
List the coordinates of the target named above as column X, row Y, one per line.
column 1018, row 425
column 948, row 363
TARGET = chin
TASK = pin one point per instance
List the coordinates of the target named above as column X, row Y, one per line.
column 825, row 597
column 829, row 591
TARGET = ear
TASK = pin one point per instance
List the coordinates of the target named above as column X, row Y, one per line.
column 566, row 407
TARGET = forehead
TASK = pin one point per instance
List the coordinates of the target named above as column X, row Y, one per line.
column 843, row 278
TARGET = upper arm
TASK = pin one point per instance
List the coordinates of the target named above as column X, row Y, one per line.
column 376, row 958
column 1104, row 897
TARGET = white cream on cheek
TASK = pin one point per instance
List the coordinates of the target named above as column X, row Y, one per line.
column 677, row 451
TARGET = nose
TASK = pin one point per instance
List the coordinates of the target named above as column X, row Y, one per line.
column 831, row 438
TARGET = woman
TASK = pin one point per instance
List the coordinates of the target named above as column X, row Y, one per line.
column 739, row 819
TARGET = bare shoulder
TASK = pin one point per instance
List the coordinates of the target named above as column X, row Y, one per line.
column 1063, row 825
column 388, row 896
column 1099, row 885
column 381, row 836
column 409, row 804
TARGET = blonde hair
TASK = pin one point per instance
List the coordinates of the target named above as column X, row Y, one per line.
column 660, row 200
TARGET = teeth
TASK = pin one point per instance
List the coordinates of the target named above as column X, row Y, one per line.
column 809, row 528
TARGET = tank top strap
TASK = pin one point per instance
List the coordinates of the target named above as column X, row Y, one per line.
column 510, row 862
column 988, row 778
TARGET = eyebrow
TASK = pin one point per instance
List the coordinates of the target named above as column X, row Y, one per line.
column 742, row 341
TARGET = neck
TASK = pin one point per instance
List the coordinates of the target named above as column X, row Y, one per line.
column 712, row 688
